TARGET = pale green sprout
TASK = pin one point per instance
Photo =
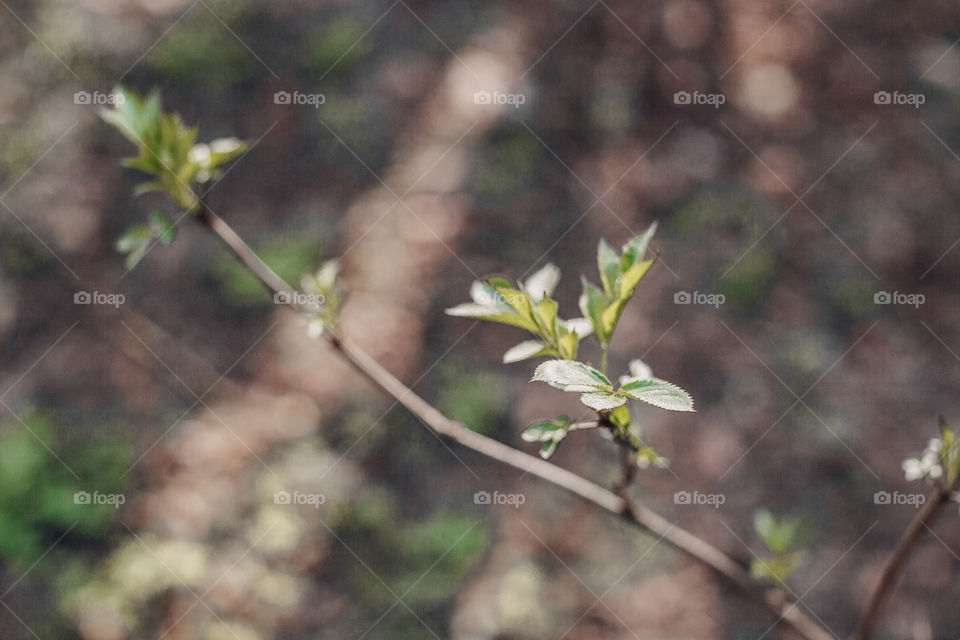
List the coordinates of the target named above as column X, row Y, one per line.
column 325, row 286
column 781, row 537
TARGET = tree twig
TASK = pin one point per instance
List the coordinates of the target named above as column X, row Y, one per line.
column 897, row 558
column 776, row 601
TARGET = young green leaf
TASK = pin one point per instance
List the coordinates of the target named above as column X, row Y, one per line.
column 779, row 535
column 620, row 417
column 517, row 300
column 549, row 432
column 545, row 314
column 602, row 401
column 635, row 249
column 570, row 375
column 658, row 393
column 569, row 341
column 162, row 228
column 547, row 429
column 592, row 305
column 135, row 117
column 135, row 243
column 608, row 263
column 489, row 304
column 629, row 279
column 542, row 283
column 526, row 350
column 548, row 448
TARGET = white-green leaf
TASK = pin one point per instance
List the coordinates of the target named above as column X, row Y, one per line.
column 546, row 430
column 580, row 326
column 629, row 279
column 602, row 401
column 608, row 262
column 492, row 314
column 542, row 284
column 484, row 294
column 640, row 370
column 592, row 305
column 572, row 376
column 525, row 350
column 635, row 250
column 658, row 393
column 548, row 448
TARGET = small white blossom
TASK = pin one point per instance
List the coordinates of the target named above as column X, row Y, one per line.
column 315, row 328
column 927, row 465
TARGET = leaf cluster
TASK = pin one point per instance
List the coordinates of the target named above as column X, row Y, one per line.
column 529, row 306
column 169, row 153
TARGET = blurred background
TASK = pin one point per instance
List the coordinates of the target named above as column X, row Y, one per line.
column 801, row 159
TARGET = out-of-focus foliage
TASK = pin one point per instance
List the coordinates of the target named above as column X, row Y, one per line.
column 289, row 255
column 200, row 50
column 38, row 492
column 425, row 558
column 782, row 537
column 336, row 45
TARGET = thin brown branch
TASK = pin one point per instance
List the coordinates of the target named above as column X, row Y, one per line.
column 774, row 600
column 897, row 558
